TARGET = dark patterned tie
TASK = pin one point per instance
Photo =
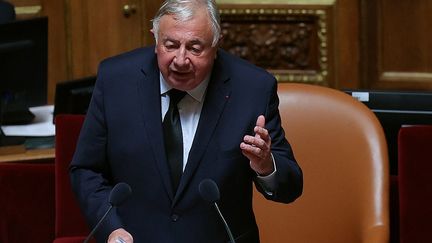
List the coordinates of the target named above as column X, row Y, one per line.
column 173, row 137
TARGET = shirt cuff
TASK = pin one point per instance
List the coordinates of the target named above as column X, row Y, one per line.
column 268, row 182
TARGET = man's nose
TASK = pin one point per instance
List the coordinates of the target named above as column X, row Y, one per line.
column 181, row 59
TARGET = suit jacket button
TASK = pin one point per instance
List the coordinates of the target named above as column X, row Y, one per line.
column 175, row 217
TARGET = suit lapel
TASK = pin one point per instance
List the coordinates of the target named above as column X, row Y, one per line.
column 218, row 93
column 149, row 94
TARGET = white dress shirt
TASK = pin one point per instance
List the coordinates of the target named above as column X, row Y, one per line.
column 189, row 111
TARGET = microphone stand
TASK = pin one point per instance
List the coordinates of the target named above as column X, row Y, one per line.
column 98, row 224
column 225, row 223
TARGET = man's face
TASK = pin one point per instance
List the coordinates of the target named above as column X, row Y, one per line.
column 184, row 50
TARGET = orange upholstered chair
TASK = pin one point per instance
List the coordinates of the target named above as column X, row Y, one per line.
column 340, row 145
column 70, row 226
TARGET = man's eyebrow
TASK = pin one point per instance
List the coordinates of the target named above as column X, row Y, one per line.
column 196, row 42
column 165, row 39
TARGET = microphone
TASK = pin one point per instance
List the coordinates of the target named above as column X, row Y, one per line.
column 209, row 191
column 117, row 196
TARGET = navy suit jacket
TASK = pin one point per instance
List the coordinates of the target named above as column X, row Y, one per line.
column 122, row 141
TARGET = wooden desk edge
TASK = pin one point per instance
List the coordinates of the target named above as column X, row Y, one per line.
column 31, row 155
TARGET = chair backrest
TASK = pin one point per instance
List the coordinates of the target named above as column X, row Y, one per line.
column 69, row 220
column 415, row 183
column 340, row 145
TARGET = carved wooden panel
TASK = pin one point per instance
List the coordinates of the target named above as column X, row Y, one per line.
column 292, row 43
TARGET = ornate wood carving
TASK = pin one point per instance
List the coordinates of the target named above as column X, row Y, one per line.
column 290, row 43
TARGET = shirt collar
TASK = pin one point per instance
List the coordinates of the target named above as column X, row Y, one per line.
column 197, row 93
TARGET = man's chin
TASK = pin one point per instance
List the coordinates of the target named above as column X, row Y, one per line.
column 181, row 83
column 181, row 77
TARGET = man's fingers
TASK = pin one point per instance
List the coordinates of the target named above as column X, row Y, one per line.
column 260, row 121
column 254, row 141
column 261, row 133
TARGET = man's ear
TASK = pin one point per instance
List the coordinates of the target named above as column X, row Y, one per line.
column 154, row 38
column 220, row 39
column 154, row 34
column 218, row 44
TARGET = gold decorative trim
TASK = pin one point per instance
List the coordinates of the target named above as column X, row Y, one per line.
column 36, row 9
column 407, row 76
column 317, row 76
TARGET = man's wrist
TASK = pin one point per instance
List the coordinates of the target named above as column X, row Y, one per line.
column 270, row 170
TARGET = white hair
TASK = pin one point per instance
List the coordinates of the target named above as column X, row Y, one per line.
column 184, row 10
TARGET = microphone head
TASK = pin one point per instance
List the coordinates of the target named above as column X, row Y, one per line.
column 119, row 194
column 209, row 190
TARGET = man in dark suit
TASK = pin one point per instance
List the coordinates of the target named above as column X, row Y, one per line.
column 7, row 12
column 230, row 132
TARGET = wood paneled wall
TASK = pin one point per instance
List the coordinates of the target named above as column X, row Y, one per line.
column 97, row 30
column 84, row 32
column 380, row 44
column 328, row 53
column 397, row 44
column 56, row 36
column 93, row 23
